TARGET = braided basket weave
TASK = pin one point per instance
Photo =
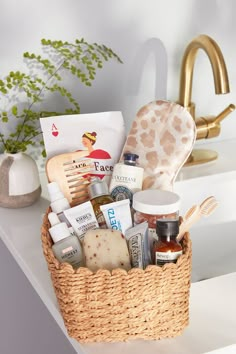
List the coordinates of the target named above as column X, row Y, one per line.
column 145, row 304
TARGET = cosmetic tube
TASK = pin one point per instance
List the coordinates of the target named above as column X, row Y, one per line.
column 118, row 215
column 82, row 219
column 127, row 178
column 138, row 245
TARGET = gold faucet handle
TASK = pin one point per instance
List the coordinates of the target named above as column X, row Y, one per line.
column 224, row 113
column 209, row 127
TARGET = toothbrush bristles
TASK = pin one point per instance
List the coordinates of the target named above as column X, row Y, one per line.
column 208, row 206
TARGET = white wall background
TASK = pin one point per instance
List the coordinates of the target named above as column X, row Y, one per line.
column 127, row 27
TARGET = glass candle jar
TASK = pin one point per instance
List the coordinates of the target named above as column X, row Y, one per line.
column 150, row 205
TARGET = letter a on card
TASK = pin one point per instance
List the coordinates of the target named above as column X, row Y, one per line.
column 54, row 130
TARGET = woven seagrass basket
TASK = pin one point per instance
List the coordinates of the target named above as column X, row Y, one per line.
column 103, row 306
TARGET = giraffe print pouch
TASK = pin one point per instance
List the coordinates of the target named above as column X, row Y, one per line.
column 162, row 134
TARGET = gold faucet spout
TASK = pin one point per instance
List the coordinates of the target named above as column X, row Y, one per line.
column 218, row 66
column 207, row 127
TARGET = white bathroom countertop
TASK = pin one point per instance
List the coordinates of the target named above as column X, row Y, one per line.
column 212, row 302
column 224, row 163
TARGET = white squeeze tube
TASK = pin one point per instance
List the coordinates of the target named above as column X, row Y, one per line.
column 118, row 215
column 82, row 219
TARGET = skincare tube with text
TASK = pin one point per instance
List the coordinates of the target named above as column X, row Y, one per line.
column 118, row 215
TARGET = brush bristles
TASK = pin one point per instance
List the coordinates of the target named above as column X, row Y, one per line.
column 208, row 206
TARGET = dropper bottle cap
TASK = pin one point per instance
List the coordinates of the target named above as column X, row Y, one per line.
column 58, row 230
column 167, row 227
column 53, row 219
column 54, row 191
column 130, row 158
column 58, row 200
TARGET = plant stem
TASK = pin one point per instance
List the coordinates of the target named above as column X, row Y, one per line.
column 3, row 142
column 40, row 92
column 29, row 137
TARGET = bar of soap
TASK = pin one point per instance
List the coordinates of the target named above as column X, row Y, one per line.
column 106, row 249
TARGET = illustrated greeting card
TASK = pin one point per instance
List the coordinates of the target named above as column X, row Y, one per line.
column 80, row 146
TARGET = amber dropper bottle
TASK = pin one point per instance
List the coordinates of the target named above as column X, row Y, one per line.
column 167, row 249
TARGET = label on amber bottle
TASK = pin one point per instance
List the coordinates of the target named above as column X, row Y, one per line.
column 166, row 257
column 101, row 220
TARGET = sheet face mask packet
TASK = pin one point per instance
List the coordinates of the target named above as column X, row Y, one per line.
column 82, row 145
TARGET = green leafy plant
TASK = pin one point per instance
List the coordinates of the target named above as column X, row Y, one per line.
column 25, row 93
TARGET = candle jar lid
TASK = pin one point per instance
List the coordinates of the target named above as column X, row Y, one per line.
column 153, row 202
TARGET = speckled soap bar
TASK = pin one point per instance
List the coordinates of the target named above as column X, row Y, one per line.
column 106, row 249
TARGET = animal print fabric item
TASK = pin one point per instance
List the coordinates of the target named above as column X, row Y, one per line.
column 162, row 134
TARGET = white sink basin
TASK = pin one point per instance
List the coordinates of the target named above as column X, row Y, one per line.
column 213, row 237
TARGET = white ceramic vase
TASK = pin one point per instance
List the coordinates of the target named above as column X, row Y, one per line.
column 19, row 180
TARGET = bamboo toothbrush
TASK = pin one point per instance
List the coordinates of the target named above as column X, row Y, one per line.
column 206, row 208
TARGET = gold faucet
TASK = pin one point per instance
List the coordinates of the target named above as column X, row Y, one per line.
column 207, row 127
